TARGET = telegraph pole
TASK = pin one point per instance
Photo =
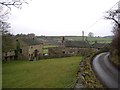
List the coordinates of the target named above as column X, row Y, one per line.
column 1, row 58
column 82, row 35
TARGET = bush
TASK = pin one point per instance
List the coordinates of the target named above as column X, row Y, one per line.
column 115, row 49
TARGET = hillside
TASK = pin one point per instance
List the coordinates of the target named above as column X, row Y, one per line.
column 57, row 39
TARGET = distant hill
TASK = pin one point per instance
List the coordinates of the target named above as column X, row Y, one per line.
column 58, row 39
column 108, row 36
column 30, row 41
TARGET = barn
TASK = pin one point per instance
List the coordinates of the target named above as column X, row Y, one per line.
column 33, row 49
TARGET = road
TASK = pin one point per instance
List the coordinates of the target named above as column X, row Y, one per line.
column 105, row 71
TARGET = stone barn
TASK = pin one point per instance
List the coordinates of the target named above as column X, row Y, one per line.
column 70, row 48
column 10, row 55
column 101, row 45
column 77, row 44
column 62, row 51
column 32, row 52
column 68, row 51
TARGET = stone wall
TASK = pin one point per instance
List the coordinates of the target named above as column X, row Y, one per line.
column 56, row 51
column 8, row 55
column 25, row 51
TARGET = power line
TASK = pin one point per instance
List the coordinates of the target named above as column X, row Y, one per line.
column 114, row 5
column 93, row 23
column 102, row 18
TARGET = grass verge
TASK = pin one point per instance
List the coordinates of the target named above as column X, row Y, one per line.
column 86, row 75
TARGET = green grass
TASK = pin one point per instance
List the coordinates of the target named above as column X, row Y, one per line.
column 49, row 46
column 50, row 73
column 91, row 39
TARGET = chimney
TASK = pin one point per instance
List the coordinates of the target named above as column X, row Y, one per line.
column 63, row 40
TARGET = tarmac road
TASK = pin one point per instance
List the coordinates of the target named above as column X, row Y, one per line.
column 105, row 71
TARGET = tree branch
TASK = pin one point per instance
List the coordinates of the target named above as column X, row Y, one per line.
column 114, row 20
column 112, row 15
column 14, row 3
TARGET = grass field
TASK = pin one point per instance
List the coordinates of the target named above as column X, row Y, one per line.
column 79, row 38
column 50, row 73
column 91, row 39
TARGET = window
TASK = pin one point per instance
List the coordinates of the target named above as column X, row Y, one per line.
column 63, row 52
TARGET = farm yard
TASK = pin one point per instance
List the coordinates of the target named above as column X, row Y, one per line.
column 49, row 73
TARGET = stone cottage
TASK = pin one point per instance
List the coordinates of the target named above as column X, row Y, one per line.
column 33, row 50
column 70, row 48
column 77, row 44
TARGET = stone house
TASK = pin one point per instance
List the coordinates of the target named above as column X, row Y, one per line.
column 77, row 44
column 32, row 52
column 61, row 51
column 8, row 55
column 70, row 48
column 66, row 51
column 33, row 49
column 100, row 45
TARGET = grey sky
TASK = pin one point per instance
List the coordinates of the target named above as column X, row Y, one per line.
column 62, row 17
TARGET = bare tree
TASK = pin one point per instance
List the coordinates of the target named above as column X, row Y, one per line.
column 113, row 15
column 5, row 8
column 115, row 49
column 15, row 3
column 4, row 26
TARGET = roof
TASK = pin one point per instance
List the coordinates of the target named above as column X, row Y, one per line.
column 78, row 44
column 31, row 41
column 100, row 45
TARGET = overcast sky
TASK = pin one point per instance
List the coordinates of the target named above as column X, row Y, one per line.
column 62, row 17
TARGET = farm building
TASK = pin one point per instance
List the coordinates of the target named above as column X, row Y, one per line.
column 33, row 49
column 76, row 48
column 61, row 51
column 66, row 51
column 70, row 48
column 8, row 55
column 32, row 52
column 77, row 44
column 27, row 47
column 100, row 45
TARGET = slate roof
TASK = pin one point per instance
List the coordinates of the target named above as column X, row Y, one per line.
column 31, row 41
column 78, row 44
column 100, row 45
